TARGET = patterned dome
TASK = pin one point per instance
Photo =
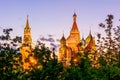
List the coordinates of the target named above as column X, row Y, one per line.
column 63, row 40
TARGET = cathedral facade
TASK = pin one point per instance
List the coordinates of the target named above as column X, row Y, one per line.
column 73, row 44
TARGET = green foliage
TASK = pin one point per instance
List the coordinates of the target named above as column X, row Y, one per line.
column 72, row 73
column 109, row 50
column 51, row 69
column 10, row 58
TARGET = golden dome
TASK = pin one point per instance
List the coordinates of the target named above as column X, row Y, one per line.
column 63, row 40
column 89, row 38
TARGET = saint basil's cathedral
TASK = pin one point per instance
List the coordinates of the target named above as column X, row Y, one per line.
column 73, row 45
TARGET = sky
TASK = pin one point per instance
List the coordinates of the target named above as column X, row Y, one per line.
column 55, row 17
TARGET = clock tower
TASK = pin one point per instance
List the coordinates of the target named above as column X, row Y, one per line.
column 26, row 46
column 27, row 34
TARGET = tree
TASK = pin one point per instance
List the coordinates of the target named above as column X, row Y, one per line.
column 47, row 67
column 109, row 47
column 10, row 58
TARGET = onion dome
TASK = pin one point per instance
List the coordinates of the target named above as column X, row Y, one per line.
column 89, row 38
column 63, row 40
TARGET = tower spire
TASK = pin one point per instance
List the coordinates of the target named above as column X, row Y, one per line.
column 90, row 32
column 83, row 36
column 63, row 33
column 74, row 37
column 74, row 27
column 74, row 17
column 27, row 16
column 27, row 23
column 27, row 33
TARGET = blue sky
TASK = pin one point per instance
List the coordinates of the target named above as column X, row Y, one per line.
column 55, row 16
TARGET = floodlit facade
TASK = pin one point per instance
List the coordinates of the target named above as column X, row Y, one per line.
column 71, row 46
column 26, row 48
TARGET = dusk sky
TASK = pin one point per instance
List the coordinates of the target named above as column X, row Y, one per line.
column 56, row 16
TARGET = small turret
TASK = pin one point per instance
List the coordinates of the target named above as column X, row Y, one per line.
column 89, row 37
column 90, row 42
column 63, row 40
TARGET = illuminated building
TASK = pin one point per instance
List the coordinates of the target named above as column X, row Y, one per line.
column 74, row 44
column 26, row 48
column 65, row 51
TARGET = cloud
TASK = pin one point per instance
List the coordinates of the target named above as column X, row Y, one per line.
column 57, row 40
column 53, row 45
column 51, row 40
column 47, row 39
column 49, row 35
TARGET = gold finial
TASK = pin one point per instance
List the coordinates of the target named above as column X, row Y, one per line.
column 63, row 33
column 74, row 16
column 90, row 30
column 90, row 34
column 27, row 16
column 83, row 36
